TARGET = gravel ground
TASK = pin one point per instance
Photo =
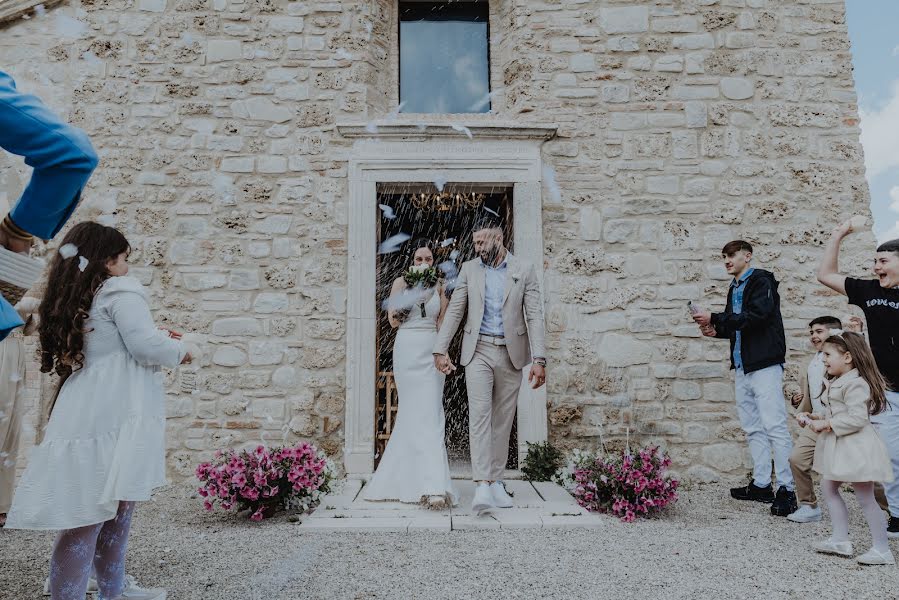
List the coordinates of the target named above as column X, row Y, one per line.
column 707, row 546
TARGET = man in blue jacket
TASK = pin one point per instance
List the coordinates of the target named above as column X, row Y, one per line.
column 62, row 160
column 752, row 322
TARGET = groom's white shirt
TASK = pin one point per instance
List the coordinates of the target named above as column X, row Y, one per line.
column 494, row 290
column 521, row 310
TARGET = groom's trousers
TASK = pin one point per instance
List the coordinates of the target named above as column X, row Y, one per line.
column 493, row 384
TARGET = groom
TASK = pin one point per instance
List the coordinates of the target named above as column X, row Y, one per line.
column 505, row 324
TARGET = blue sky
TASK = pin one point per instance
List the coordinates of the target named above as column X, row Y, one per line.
column 875, row 56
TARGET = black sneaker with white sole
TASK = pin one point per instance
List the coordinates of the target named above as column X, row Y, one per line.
column 784, row 503
column 754, row 493
column 893, row 528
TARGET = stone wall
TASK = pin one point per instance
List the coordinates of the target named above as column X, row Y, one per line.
column 682, row 124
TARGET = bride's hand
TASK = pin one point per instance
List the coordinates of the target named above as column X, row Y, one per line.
column 443, row 364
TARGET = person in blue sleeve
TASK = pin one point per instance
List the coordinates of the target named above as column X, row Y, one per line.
column 62, row 158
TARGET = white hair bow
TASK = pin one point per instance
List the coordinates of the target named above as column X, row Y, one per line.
column 836, row 332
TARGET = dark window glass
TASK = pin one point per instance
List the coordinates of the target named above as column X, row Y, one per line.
column 444, row 57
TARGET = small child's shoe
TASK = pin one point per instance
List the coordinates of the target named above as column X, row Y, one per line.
column 876, row 557
column 829, row 546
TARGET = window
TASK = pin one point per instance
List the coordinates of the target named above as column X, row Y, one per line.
column 444, row 57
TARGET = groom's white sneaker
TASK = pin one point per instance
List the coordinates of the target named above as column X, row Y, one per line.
column 483, row 499
column 501, row 498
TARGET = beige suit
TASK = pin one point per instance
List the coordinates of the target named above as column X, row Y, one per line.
column 804, row 449
column 493, row 366
column 12, row 387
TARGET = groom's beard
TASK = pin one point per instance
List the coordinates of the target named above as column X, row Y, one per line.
column 488, row 257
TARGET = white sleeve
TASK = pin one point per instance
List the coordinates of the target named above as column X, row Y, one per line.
column 147, row 345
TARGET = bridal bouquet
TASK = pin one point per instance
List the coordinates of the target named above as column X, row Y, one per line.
column 262, row 480
column 422, row 277
column 625, row 485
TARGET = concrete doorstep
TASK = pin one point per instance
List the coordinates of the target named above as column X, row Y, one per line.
column 536, row 505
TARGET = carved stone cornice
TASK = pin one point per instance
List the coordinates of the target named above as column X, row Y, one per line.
column 423, row 130
column 11, row 10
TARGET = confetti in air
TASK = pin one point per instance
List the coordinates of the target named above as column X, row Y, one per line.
column 440, row 182
column 454, row 255
column 447, row 242
column 549, row 177
column 107, row 220
column 483, row 101
column 405, row 299
column 40, row 11
column 462, row 129
column 388, row 211
column 393, row 243
column 491, row 211
column 82, row 263
column 15, row 377
column 68, row 250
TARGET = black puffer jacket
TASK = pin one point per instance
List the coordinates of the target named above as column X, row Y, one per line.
column 762, row 341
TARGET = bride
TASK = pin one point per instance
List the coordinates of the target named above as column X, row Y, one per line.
column 414, row 467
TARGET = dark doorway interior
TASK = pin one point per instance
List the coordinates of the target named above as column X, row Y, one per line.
column 446, row 218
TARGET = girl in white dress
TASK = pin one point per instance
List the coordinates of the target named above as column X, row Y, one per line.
column 104, row 446
column 414, row 467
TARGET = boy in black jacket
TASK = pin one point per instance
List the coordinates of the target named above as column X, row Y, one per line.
column 752, row 322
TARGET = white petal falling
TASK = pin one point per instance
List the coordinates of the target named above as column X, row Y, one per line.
column 393, row 243
column 449, row 269
column 388, row 211
column 15, row 377
column 549, row 178
column 102, row 204
column 82, row 263
column 440, row 182
column 371, row 127
column 484, row 101
column 447, row 242
column 68, row 250
column 462, row 129
column 491, row 211
column 40, row 11
column 454, row 255
column 405, row 299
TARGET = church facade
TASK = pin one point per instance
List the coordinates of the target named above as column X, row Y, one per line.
column 248, row 146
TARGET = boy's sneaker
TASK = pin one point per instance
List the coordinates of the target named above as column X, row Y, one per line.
column 784, row 504
column 893, row 528
column 805, row 514
column 753, row 492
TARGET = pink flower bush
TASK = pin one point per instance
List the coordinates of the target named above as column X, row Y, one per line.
column 262, row 480
column 625, row 485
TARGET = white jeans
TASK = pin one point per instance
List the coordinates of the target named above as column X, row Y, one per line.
column 763, row 416
column 887, row 425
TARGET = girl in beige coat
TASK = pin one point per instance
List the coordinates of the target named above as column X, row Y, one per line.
column 848, row 447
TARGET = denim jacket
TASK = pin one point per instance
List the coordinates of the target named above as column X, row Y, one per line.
column 62, row 160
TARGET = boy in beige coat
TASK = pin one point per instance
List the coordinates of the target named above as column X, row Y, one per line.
column 808, row 400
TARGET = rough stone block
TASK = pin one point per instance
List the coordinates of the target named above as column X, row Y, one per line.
column 673, row 63
column 627, row 350
column 271, row 302
column 583, row 63
column 237, row 326
column 229, row 356
column 737, row 88
column 624, row 19
column 615, row 93
column 223, row 50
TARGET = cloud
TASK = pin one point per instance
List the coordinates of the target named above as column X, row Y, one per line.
column 879, row 127
column 890, row 234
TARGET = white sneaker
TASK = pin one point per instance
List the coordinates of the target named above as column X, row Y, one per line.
column 805, row 514
column 876, row 557
column 135, row 592
column 829, row 546
column 501, row 498
column 483, row 499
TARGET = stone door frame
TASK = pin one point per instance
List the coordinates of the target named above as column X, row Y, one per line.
column 496, row 154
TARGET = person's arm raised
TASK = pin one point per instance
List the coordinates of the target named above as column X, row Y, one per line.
column 829, row 269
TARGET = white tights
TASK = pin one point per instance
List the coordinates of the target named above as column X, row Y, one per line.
column 102, row 545
column 839, row 514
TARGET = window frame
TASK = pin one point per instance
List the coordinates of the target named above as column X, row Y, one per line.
column 399, row 56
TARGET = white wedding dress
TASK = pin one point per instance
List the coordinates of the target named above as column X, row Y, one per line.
column 415, row 465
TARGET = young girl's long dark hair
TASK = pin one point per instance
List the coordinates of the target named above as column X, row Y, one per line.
column 70, row 293
column 863, row 360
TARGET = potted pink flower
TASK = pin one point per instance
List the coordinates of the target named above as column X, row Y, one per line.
column 625, row 485
column 265, row 480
